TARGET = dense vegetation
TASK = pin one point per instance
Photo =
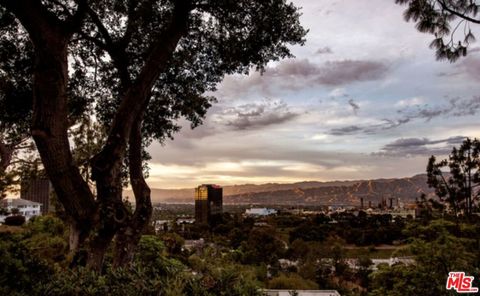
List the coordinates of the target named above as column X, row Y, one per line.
column 313, row 253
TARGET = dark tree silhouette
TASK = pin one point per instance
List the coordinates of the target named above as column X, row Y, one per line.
column 459, row 185
column 448, row 20
column 137, row 66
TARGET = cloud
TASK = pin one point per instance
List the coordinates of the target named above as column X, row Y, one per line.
column 415, row 101
column 407, row 147
column 347, row 130
column 298, row 74
column 383, row 125
column 256, row 115
column 344, row 72
column 470, row 66
column 332, row 73
column 338, row 92
column 455, row 107
column 294, row 68
column 324, row 50
column 355, row 106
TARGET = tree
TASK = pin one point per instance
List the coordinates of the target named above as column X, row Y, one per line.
column 448, row 20
column 458, row 186
column 269, row 251
column 436, row 252
column 16, row 105
column 139, row 65
column 364, row 268
column 291, row 282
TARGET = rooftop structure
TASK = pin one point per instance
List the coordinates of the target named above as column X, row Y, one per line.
column 260, row 212
column 272, row 292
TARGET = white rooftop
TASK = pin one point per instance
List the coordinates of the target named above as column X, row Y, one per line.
column 272, row 292
column 15, row 202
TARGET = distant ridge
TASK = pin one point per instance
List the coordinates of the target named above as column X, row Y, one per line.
column 310, row 192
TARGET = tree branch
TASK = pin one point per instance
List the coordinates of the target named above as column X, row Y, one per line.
column 165, row 45
column 133, row 102
column 74, row 22
column 37, row 20
column 456, row 13
column 101, row 28
column 114, row 49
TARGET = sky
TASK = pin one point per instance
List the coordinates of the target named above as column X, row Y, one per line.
column 364, row 98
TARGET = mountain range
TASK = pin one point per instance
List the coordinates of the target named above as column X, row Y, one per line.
column 404, row 190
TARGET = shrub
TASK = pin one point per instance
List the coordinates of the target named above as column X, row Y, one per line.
column 16, row 220
column 291, row 282
column 20, row 271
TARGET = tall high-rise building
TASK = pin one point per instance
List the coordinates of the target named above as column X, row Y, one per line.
column 208, row 202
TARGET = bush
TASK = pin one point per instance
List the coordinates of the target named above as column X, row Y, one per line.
column 20, row 271
column 16, row 220
column 80, row 282
column 291, row 282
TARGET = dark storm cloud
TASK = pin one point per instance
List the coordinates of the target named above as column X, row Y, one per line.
column 257, row 115
column 455, row 107
column 419, row 146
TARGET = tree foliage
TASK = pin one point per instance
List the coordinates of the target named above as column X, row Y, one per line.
column 458, row 186
column 136, row 67
column 16, row 147
column 436, row 251
column 448, row 20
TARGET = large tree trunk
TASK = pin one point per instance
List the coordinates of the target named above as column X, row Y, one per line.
column 50, row 38
column 107, row 215
column 106, row 172
column 106, row 166
column 128, row 237
column 49, row 130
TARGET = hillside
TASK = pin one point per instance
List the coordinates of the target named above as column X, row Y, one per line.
column 311, row 192
column 403, row 190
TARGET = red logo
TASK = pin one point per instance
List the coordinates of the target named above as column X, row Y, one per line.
column 460, row 282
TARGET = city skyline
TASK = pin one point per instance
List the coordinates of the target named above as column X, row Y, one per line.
column 364, row 98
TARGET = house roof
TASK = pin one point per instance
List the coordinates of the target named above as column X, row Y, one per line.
column 15, row 202
column 274, row 292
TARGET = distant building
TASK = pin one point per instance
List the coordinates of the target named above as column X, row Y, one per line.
column 208, row 202
column 260, row 212
column 272, row 292
column 25, row 208
column 196, row 244
column 404, row 213
column 37, row 190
